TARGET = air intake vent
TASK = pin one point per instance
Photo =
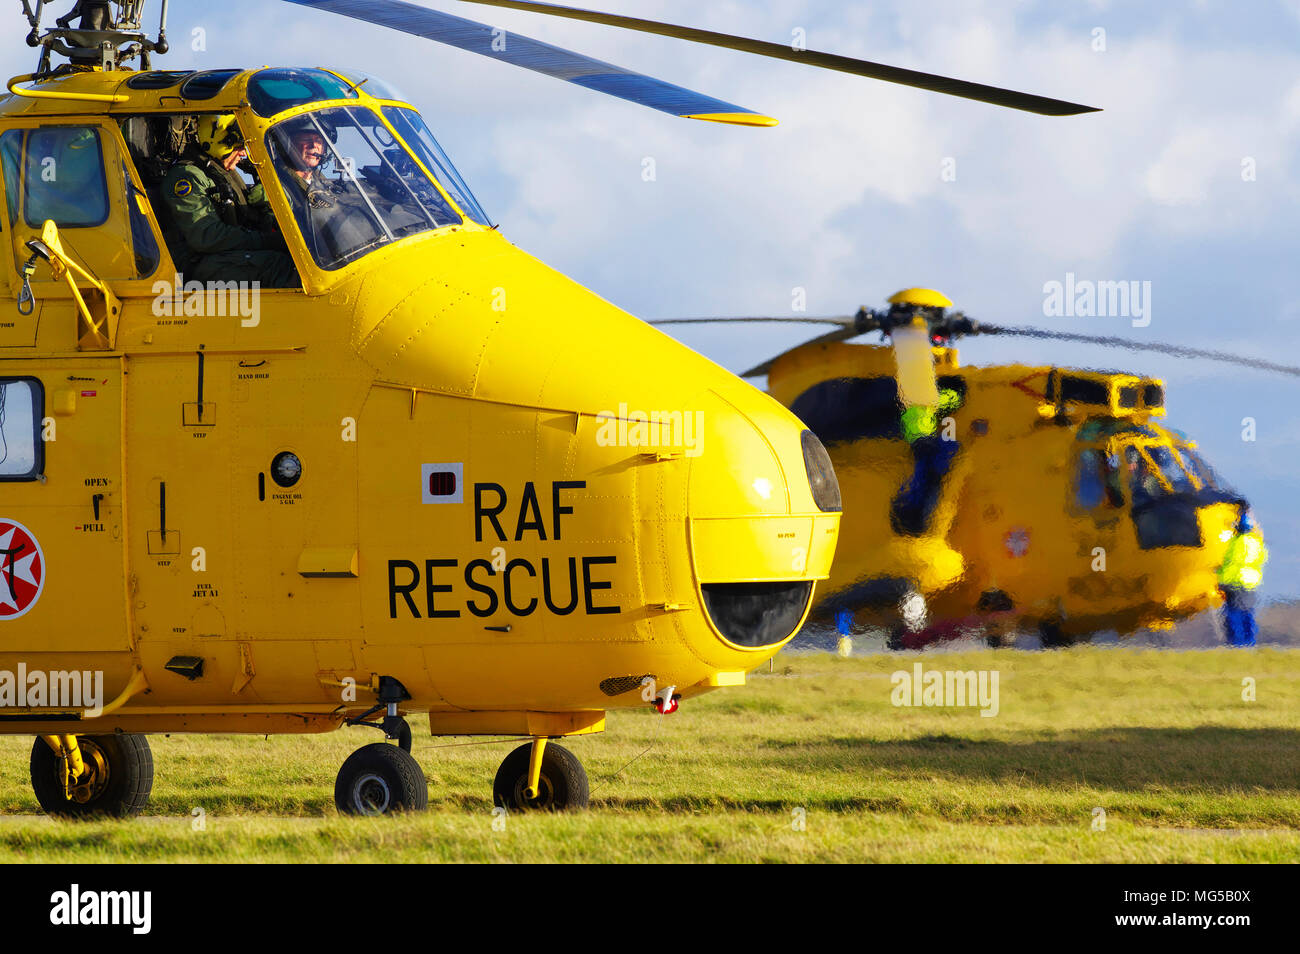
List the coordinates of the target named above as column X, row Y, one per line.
column 617, row 685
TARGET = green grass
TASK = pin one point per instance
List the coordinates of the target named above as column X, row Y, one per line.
column 1184, row 769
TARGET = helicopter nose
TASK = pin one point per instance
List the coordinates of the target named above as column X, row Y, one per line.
column 764, row 517
column 713, row 509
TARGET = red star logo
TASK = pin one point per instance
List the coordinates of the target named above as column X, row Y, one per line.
column 22, row 570
column 1017, row 542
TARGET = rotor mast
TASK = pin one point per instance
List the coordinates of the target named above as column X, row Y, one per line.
column 107, row 37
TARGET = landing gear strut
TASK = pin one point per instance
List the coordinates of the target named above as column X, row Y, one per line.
column 391, row 692
column 541, row 776
column 379, row 779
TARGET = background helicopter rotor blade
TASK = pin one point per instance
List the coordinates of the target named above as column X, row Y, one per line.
column 543, row 58
column 1043, row 105
column 848, row 328
column 959, row 326
column 843, row 322
column 1178, row 351
column 840, row 334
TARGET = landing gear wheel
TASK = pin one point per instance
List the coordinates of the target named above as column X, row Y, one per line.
column 561, row 787
column 894, row 641
column 1053, row 637
column 116, row 783
column 379, row 779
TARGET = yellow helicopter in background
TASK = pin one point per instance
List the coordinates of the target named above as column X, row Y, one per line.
column 1065, row 505
column 434, row 476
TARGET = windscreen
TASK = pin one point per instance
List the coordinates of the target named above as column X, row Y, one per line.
column 1172, row 467
column 352, row 186
column 410, row 126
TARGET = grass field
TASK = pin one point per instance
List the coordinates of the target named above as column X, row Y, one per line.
column 1184, row 769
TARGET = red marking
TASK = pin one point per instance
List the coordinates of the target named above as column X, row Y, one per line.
column 22, row 570
column 89, row 393
column 1020, row 385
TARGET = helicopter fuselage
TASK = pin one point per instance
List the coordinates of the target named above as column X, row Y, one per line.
column 439, row 462
column 1068, row 503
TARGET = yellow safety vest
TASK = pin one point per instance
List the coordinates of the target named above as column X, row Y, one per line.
column 1243, row 564
column 922, row 420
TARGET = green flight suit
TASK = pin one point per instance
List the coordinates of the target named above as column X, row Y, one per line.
column 213, row 220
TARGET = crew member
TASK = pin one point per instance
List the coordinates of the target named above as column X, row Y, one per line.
column 226, row 228
column 932, row 455
column 1240, row 574
column 319, row 203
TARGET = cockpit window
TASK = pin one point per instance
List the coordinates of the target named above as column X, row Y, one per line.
column 273, row 91
column 1090, row 480
column 372, row 85
column 352, row 186
column 11, row 150
column 410, row 126
column 1144, row 486
column 1170, row 464
column 207, row 84
column 1096, row 480
column 1197, row 465
column 1099, row 428
column 64, row 179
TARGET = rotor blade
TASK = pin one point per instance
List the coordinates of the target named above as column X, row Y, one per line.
column 891, row 74
column 842, row 322
column 541, row 58
column 1178, row 351
column 840, row 334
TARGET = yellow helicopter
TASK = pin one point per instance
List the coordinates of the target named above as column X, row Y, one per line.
column 1063, row 503
column 432, row 476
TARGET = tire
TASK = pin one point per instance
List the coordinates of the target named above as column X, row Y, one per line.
column 1053, row 637
column 124, row 764
column 562, row 786
column 380, row 779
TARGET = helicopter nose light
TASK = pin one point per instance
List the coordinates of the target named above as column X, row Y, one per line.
column 756, row 614
column 821, row 474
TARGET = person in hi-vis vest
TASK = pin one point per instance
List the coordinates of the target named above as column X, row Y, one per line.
column 1240, row 574
column 932, row 455
column 924, row 406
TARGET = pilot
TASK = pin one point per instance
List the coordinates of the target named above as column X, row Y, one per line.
column 1242, row 571
column 307, row 152
column 227, row 228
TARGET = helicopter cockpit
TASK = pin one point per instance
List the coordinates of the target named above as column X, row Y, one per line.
column 1163, row 477
column 350, row 182
column 358, row 167
column 354, row 184
column 351, row 186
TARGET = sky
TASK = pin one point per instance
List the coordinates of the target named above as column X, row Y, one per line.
column 1189, row 179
